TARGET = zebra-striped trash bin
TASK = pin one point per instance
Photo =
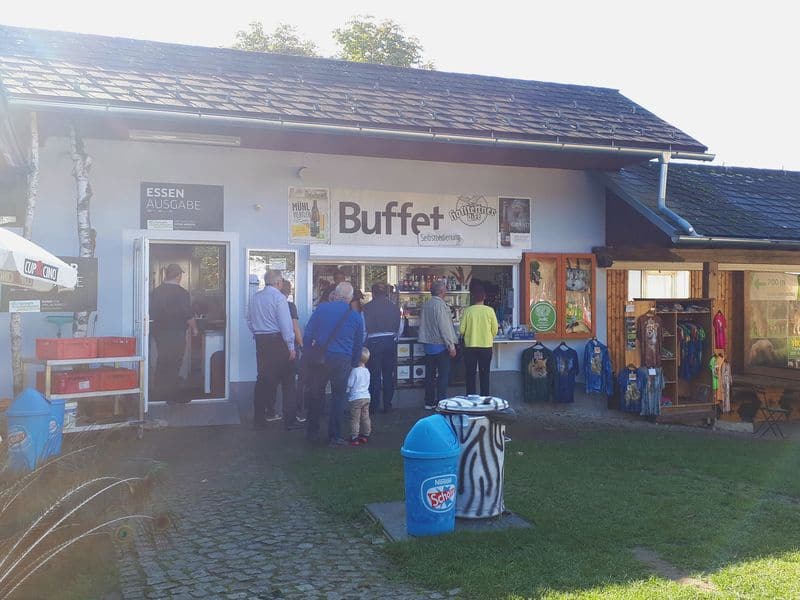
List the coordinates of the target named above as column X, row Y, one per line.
column 479, row 422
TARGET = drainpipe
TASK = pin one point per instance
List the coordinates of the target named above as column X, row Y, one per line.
column 662, row 198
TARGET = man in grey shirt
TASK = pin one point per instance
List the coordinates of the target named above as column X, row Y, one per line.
column 271, row 324
column 437, row 333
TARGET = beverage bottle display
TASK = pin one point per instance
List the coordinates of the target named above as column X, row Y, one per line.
column 314, row 222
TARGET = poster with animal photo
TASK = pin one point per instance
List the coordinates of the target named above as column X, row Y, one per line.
column 514, row 222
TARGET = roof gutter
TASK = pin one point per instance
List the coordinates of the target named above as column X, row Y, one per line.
column 662, row 198
column 356, row 130
column 730, row 241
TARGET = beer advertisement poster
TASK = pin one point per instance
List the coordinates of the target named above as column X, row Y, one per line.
column 514, row 222
column 309, row 215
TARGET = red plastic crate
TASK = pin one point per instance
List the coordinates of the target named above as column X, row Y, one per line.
column 70, row 382
column 116, row 346
column 118, row 379
column 64, row 348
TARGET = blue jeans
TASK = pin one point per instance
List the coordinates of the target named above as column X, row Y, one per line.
column 381, row 365
column 336, row 370
column 437, row 376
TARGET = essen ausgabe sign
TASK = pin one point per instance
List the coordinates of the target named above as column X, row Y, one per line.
column 181, row 206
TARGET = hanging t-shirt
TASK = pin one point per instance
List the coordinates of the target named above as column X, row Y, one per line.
column 650, row 330
column 566, row 368
column 630, row 384
column 597, row 368
column 720, row 326
column 537, row 374
column 651, row 390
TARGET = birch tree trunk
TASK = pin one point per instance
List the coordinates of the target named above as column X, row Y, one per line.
column 30, row 209
column 81, row 164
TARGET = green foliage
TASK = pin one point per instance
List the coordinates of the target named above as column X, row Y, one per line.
column 362, row 39
column 283, row 40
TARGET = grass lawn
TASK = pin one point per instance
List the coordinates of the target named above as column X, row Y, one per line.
column 726, row 510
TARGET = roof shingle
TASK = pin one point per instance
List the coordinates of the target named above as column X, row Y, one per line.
column 41, row 65
column 720, row 201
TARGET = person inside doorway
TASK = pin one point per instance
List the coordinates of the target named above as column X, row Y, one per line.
column 172, row 315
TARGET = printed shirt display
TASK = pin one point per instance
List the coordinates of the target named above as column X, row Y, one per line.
column 566, row 368
column 720, row 326
column 692, row 339
column 631, row 382
column 537, row 374
column 650, row 330
column 597, row 368
column 651, row 391
column 721, row 381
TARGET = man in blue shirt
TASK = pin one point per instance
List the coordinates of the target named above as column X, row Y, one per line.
column 341, row 331
column 271, row 324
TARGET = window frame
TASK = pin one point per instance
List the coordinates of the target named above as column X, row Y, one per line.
column 561, row 259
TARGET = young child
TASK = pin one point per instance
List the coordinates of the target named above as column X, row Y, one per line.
column 358, row 394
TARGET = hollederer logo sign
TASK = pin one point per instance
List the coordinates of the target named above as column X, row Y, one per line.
column 361, row 217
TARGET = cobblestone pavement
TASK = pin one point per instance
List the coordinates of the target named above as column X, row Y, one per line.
column 244, row 531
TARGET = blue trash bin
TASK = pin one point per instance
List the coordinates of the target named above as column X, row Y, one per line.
column 54, row 429
column 431, row 451
column 28, row 421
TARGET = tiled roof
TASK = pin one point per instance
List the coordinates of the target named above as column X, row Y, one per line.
column 718, row 201
column 78, row 68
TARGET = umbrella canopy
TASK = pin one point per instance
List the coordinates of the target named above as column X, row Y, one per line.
column 24, row 264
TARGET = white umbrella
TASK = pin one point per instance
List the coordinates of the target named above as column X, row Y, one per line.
column 24, row 264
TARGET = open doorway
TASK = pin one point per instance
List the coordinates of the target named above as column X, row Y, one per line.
column 198, row 357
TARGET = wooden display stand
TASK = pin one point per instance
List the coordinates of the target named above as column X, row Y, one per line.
column 51, row 365
column 691, row 400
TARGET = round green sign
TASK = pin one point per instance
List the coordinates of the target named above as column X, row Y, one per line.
column 543, row 316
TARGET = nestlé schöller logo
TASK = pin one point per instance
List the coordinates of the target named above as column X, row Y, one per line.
column 472, row 210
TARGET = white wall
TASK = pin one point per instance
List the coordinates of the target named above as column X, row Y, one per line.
column 568, row 212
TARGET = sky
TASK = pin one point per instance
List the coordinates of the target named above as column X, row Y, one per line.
column 723, row 72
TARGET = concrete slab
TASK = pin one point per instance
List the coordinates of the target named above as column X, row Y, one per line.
column 195, row 414
column 392, row 517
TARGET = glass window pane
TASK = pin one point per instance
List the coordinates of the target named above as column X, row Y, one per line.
column 634, row 285
column 772, row 320
column 578, row 282
column 543, row 291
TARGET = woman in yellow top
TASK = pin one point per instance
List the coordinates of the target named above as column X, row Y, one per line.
column 478, row 326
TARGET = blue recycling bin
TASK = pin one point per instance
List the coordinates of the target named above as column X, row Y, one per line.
column 54, row 429
column 28, row 421
column 431, row 452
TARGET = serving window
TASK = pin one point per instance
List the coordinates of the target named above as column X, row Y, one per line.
column 559, row 295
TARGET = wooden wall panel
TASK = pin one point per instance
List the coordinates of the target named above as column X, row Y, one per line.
column 617, row 294
column 695, row 284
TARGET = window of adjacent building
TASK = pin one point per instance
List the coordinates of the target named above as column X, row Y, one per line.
column 772, row 323
column 658, row 284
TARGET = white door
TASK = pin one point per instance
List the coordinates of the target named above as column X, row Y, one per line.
column 141, row 306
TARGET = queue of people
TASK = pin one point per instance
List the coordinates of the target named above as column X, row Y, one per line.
column 353, row 348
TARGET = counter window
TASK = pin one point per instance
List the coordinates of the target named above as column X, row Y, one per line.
column 772, row 324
